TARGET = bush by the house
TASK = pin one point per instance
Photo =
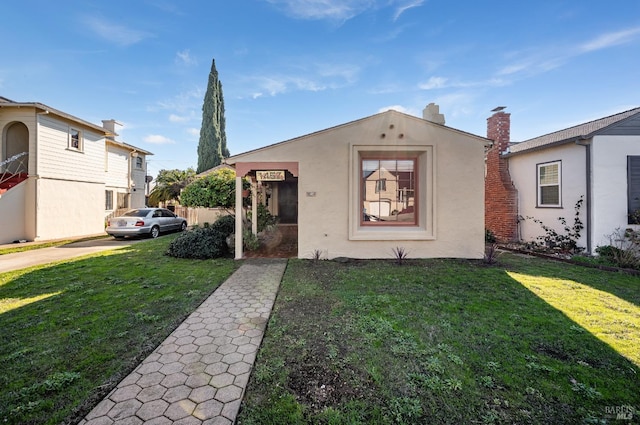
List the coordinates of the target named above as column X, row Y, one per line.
column 225, row 225
column 265, row 219
column 566, row 241
column 209, row 241
column 624, row 248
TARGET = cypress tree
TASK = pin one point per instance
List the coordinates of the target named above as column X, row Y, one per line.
column 212, row 147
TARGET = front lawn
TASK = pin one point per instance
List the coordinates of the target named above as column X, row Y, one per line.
column 70, row 332
column 449, row 342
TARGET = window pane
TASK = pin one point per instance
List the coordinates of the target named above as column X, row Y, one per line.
column 388, row 191
column 75, row 138
column 550, row 195
column 549, row 174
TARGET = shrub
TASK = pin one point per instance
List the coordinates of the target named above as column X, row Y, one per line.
column 265, row 219
column 215, row 190
column 200, row 244
column 225, row 225
column 624, row 248
column 489, row 237
column 567, row 241
column 491, row 253
column 250, row 241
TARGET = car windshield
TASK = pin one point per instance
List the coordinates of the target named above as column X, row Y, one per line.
column 136, row 213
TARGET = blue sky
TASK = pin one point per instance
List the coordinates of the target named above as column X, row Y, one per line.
column 292, row 67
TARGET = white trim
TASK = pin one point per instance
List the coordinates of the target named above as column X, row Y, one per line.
column 425, row 229
column 80, row 147
column 539, row 185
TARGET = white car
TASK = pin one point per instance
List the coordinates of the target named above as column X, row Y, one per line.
column 145, row 221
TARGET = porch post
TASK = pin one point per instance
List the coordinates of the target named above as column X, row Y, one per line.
column 254, row 207
column 239, row 253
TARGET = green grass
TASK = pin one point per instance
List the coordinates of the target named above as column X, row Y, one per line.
column 70, row 332
column 448, row 342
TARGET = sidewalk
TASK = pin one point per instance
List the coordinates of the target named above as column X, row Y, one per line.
column 21, row 260
column 199, row 373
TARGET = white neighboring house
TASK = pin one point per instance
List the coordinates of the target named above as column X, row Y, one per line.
column 73, row 175
column 597, row 160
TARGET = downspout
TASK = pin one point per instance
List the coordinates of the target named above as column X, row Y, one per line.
column 33, row 156
column 587, row 144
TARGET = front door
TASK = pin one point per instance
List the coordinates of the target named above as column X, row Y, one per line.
column 288, row 201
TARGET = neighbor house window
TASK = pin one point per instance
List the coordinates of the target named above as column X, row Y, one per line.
column 549, row 184
column 139, row 163
column 388, row 190
column 633, row 188
column 108, row 196
column 75, row 139
column 392, row 193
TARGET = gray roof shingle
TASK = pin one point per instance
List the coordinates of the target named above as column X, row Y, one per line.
column 581, row 131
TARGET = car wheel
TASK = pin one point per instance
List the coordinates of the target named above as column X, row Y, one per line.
column 155, row 232
column 184, row 226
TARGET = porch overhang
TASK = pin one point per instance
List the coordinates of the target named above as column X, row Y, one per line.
column 244, row 168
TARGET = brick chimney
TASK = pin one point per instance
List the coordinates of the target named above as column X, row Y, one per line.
column 501, row 196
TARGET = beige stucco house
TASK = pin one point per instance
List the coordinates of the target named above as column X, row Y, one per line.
column 363, row 188
column 68, row 176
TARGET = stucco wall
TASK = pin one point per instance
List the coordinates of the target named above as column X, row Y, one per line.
column 610, row 184
column 326, row 182
column 68, row 209
column 524, row 174
column 12, row 217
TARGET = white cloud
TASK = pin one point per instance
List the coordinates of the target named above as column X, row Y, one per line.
column 156, row 139
column 610, row 39
column 185, row 58
column 434, row 83
column 398, row 108
column 193, row 131
column 339, row 10
column 313, row 77
column 442, row 83
column 177, row 118
column 406, row 6
column 534, row 61
column 115, row 33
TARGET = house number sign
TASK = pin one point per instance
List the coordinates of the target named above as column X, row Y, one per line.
column 270, row 176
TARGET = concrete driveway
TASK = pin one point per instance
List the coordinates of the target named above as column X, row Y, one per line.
column 21, row 260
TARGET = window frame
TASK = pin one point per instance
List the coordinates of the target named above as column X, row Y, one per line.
column 539, row 186
column 633, row 188
column 108, row 195
column 425, row 194
column 71, row 139
column 391, row 156
column 139, row 163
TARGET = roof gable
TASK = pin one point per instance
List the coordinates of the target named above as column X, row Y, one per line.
column 7, row 103
column 627, row 122
column 382, row 117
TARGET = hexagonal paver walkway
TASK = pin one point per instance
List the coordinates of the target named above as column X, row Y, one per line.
column 199, row 373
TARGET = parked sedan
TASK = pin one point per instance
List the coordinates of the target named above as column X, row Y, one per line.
column 145, row 221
